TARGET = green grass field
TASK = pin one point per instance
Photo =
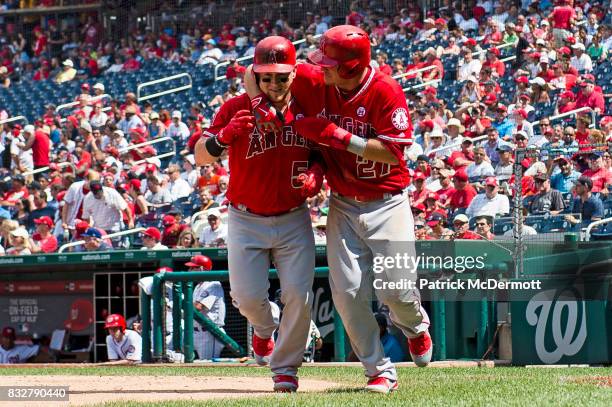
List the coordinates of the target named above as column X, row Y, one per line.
column 501, row 386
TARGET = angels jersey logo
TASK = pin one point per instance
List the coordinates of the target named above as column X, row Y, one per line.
column 400, row 119
column 361, row 111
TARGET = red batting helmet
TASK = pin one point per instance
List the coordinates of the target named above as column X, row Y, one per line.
column 115, row 320
column 164, row 270
column 200, row 261
column 345, row 46
column 274, row 54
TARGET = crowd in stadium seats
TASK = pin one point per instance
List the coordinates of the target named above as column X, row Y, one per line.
column 480, row 82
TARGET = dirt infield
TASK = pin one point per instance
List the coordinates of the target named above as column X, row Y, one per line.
column 88, row 390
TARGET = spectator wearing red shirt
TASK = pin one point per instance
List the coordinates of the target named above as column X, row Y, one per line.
column 92, row 32
column 40, row 144
column 43, row 72
column 461, row 224
column 562, row 18
column 589, row 96
column 497, row 66
column 464, row 157
column 354, row 17
column 446, row 188
column 431, row 59
column 234, row 70
column 41, row 42
column 420, row 192
column 463, row 193
column 582, row 129
column 545, row 72
column 44, row 241
column 566, row 102
column 17, row 192
column 382, row 58
column 598, row 173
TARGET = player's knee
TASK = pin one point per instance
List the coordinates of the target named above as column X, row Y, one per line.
column 246, row 302
column 397, row 298
column 297, row 296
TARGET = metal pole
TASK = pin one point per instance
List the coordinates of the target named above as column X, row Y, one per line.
column 339, row 338
column 439, row 326
column 158, row 299
column 481, row 333
column 145, row 313
column 517, row 214
column 188, row 312
column 177, row 330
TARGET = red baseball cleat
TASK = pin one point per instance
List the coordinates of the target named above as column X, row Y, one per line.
column 421, row 349
column 262, row 349
column 285, row 383
column 381, row 384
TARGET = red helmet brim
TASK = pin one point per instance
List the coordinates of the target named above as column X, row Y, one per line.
column 319, row 58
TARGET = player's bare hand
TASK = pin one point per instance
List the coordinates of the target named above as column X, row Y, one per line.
column 241, row 125
column 311, row 180
column 268, row 119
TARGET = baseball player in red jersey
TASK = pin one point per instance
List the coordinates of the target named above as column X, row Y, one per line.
column 268, row 217
column 362, row 118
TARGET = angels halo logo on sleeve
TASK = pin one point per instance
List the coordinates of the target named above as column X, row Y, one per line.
column 399, row 118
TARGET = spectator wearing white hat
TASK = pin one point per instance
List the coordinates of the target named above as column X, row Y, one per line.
column 98, row 89
column 177, row 130
column 215, row 234
column 156, row 127
column 20, row 242
column 22, row 159
column 68, row 72
column 190, row 173
column 581, row 61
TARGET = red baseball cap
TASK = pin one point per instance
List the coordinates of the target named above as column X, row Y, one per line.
column 440, row 21
column 135, row 183
column 522, row 79
column 419, row 175
column 153, row 233
column 470, row 42
column 521, row 112
column 81, row 226
column 168, row 220
column 427, row 123
column 432, row 195
column 85, row 86
column 494, row 50
column 491, row 181
column 461, row 175
column 44, row 220
column 419, row 207
column 490, row 99
column 568, row 94
column 9, row 332
column 430, row 90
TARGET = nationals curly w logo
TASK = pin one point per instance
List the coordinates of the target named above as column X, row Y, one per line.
column 567, row 342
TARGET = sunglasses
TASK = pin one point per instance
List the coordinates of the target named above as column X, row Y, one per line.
column 279, row 79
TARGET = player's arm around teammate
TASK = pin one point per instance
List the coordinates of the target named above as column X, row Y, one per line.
column 322, row 130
